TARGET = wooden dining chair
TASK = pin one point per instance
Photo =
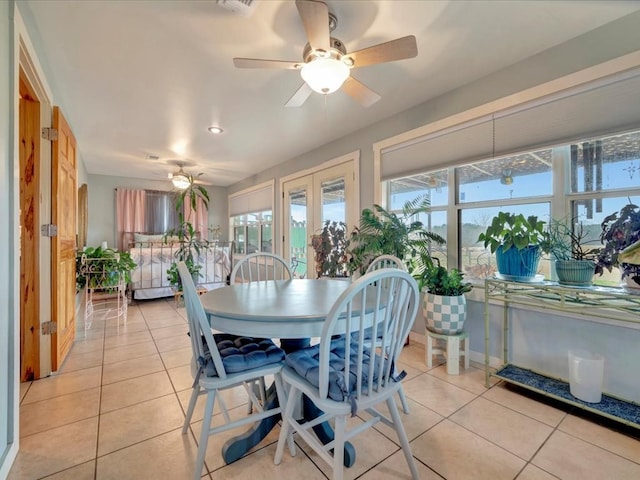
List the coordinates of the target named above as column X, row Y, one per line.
column 390, row 261
column 222, row 361
column 260, row 266
column 344, row 376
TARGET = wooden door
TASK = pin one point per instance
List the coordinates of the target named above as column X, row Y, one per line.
column 29, row 131
column 63, row 255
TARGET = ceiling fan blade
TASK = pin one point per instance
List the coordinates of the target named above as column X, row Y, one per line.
column 259, row 63
column 300, row 96
column 397, row 49
column 315, row 17
column 360, row 92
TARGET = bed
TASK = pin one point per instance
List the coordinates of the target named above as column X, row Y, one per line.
column 154, row 256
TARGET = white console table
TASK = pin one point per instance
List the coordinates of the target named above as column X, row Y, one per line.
column 620, row 304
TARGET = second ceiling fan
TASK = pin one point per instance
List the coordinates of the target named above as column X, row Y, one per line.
column 327, row 65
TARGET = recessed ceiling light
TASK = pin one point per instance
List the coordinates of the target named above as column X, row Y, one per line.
column 215, row 129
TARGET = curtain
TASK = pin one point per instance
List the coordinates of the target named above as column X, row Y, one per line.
column 198, row 218
column 130, row 214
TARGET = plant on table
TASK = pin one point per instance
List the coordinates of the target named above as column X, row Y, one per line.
column 567, row 242
column 620, row 231
column 517, row 242
column 103, row 268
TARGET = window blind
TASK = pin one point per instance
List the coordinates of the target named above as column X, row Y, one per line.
column 258, row 200
column 598, row 108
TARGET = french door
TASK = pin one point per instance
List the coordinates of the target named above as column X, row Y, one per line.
column 309, row 201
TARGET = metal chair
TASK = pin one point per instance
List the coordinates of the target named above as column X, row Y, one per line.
column 391, row 261
column 213, row 371
column 342, row 376
column 260, row 266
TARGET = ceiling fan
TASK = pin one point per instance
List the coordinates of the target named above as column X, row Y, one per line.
column 327, row 65
column 181, row 179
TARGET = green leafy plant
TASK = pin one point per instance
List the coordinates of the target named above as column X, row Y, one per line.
column 513, row 230
column 384, row 232
column 102, row 268
column 190, row 246
column 440, row 281
column 566, row 240
column 619, row 231
column 330, row 246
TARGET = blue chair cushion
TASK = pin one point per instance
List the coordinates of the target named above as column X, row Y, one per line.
column 240, row 354
column 306, row 363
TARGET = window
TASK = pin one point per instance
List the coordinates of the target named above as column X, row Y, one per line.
column 597, row 177
column 253, row 232
column 160, row 212
column 435, row 185
column 604, row 177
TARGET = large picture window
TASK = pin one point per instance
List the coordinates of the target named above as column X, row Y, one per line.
column 585, row 180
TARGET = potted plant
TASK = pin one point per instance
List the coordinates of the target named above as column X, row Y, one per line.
column 330, row 246
column 190, row 246
column 383, row 232
column 444, row 305
column 620, row 230
column 103, row 268
column 516, row 241
column 575, row 263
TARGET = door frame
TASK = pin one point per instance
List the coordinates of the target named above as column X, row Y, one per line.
column 354, row 211
column 27, row 60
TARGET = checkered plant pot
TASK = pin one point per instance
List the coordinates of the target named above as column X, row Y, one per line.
column 444, row 315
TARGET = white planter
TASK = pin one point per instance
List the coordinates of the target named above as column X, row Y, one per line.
column 444, row 315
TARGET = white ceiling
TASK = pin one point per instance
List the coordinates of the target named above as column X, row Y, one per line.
column 148, row 77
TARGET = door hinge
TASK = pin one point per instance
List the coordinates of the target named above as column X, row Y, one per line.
column 49, row 230
column 49, row 133
column 49, row 327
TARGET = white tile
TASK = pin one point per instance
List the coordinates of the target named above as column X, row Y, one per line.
column 456, row 453
column 570, row 458
column 508, row 429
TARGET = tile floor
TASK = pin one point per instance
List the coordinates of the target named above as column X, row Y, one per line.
column 115, row 410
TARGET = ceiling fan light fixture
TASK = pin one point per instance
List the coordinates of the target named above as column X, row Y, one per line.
column 325, row 75
column 181, row 180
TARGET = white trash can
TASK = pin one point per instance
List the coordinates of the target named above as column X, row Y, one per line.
column 586, row 371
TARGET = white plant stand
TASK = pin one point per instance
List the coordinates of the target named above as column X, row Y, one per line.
column 106, row 295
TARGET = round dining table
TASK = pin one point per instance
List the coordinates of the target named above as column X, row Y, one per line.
column 273, row 308
column 284, row 309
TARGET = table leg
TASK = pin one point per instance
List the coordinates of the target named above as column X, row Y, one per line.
column 237, row 446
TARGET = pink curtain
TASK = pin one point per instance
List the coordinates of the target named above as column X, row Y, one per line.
column 198, row 218
column 130, row 212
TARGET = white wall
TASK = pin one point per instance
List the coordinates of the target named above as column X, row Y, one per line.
column 9, row 316
column 102, row 206
column 541, row 341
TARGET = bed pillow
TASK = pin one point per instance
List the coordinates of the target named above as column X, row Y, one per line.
column 141, row 237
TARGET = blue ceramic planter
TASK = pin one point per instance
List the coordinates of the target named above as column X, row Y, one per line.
column 518, row 263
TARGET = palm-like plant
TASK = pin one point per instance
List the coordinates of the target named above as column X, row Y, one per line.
column 190, row 246
column 383, row 232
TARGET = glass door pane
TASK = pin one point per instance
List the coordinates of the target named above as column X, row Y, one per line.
column 297, row 237
column 333, row 202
